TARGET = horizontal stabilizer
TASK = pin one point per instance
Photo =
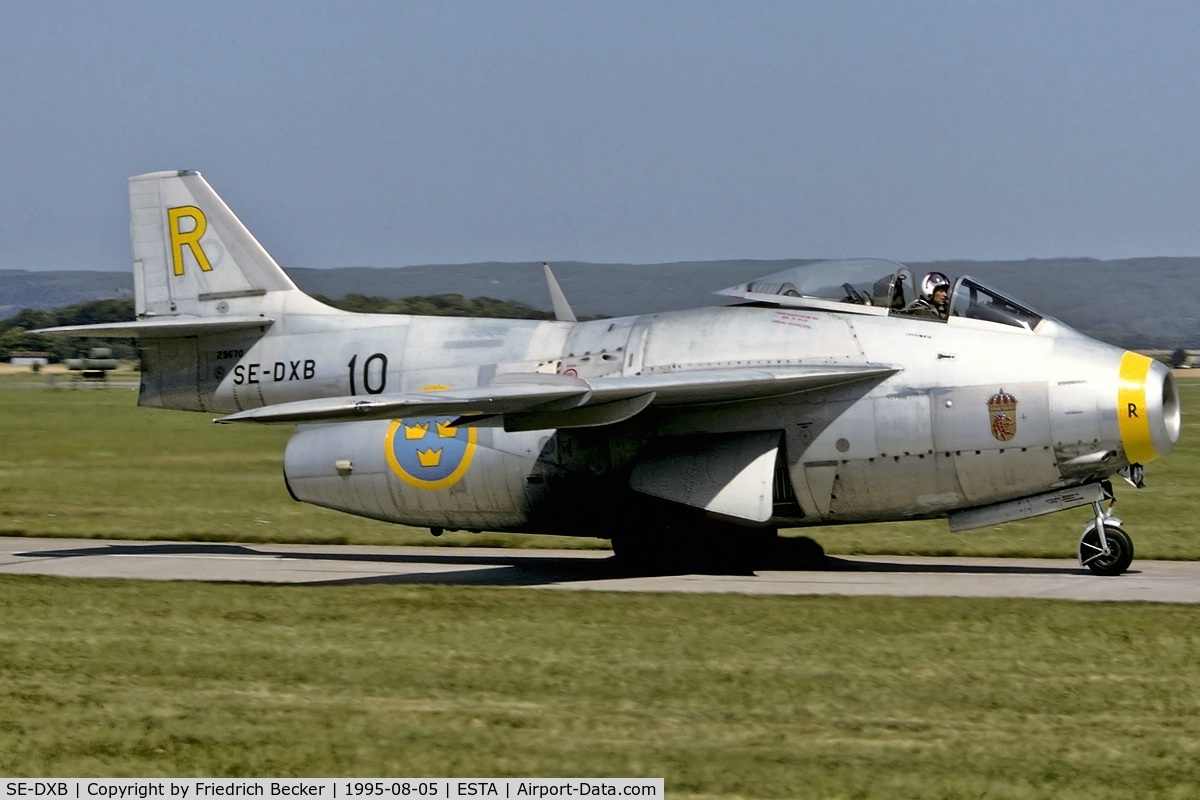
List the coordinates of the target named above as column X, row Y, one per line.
column 164, row 328
column 551, row 397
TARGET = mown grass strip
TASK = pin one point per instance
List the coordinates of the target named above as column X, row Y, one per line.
column 724, row 696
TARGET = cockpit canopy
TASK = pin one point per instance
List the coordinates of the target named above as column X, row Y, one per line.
column 879, row 287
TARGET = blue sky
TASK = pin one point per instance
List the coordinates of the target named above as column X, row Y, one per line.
column 393, row 133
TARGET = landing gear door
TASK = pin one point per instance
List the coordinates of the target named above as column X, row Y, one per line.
column 731, row 475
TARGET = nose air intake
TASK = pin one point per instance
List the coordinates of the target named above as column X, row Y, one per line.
column 1147, row 408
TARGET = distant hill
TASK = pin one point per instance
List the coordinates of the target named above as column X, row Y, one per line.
column 43, row 290
column 1143, row 303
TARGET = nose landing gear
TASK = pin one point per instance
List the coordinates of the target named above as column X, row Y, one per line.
column 1105, row 548
column 1111, row 556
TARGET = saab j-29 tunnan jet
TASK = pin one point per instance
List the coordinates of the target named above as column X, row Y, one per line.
column 842, row 391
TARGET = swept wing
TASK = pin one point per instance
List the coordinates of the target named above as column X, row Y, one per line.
column 529, row 400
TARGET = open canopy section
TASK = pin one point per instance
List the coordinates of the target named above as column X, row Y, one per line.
column 878, row 287
column 871, row 283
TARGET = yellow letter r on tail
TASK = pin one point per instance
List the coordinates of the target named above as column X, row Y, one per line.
column 191, row 239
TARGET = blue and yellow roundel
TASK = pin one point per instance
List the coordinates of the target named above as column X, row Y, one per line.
column 429, row 453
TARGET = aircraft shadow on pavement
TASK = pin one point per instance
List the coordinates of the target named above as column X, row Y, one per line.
column 530, row 568
column 834, row 564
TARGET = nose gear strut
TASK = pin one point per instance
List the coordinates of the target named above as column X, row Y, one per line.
column 1105, row 548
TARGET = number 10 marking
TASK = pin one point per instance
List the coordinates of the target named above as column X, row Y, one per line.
column 374, row 373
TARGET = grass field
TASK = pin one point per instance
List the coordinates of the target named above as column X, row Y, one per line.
column 89, row 463
column 724, row 697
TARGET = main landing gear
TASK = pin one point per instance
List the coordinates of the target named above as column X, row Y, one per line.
column 1105, row 548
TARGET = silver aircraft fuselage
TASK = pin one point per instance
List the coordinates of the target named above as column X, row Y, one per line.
column 828, row 394
column 920, row 442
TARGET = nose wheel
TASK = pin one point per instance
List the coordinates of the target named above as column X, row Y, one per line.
column 1112, row 559
column 1105, row 548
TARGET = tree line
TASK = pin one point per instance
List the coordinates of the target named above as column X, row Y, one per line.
column 15, row 336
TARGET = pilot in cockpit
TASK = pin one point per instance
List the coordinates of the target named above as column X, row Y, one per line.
column 934, row 301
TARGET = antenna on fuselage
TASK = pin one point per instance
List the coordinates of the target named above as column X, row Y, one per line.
column 562, row 309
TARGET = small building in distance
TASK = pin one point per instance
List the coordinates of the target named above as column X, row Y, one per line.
column 29, row 358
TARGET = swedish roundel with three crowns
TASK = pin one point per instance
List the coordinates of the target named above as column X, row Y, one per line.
column 429, row 453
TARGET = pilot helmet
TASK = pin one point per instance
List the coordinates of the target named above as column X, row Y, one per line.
column 932, row 282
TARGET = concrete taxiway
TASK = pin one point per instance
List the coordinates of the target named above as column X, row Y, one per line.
column 900, row 576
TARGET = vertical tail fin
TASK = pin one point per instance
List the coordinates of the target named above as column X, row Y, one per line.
column 205, row 290
column 191, row 255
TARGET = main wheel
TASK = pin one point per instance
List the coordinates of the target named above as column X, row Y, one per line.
column 1118, row 558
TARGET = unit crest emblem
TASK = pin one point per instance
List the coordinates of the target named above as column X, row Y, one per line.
column 1002, row 408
